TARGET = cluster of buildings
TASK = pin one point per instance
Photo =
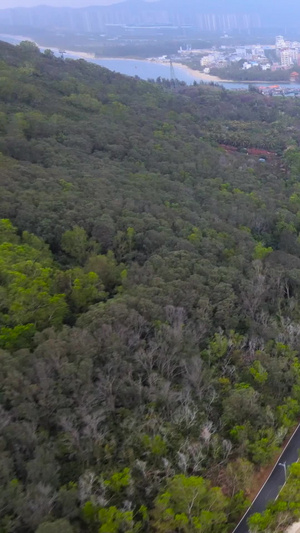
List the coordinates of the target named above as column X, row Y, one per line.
column 286, row 55
column 282, row 55
column 288, row 52
column 248, row 57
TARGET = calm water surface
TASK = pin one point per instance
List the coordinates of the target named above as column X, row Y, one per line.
column 147, row 70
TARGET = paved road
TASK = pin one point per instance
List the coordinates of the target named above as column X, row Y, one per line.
column 274, row 482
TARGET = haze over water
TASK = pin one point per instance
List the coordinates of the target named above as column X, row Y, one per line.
column 147, row 70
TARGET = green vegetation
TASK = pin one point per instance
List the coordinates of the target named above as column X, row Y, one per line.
column 235, row 72
column 150, row 298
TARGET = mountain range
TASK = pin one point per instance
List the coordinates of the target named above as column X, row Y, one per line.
column 207, row 15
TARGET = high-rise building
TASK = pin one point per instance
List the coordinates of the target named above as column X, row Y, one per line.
column 288, row 57
column 285, row 58
column 280, row 42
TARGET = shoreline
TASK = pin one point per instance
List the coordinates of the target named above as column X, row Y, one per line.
column 216, row 79
column 85, row 55
column 82, row 55
column 201, row 76
column 196, row 74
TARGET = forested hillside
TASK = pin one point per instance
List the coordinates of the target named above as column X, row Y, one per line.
column 150, row 297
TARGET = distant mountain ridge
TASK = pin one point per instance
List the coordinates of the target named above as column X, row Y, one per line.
column 207, row 15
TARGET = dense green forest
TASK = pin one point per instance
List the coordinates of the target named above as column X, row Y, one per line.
column 150, row 297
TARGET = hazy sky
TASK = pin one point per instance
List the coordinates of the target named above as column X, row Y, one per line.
column 56, row 3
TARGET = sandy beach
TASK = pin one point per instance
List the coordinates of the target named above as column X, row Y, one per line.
column 82, row 55
column 200, row 75
column 196, row 74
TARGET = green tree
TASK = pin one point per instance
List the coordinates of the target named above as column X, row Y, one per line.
column 81, row 288
column 190, row 504
column 106, row 267
column 26, row 286
column 261, row 251
column 8, row 233
column 264, row 448
column 75, row 243
column 119, row 480
column 113, row 521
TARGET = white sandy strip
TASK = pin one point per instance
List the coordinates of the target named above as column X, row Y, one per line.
column 199, row 75
column 196, row 74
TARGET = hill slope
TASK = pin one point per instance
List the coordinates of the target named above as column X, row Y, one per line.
column 149, row 357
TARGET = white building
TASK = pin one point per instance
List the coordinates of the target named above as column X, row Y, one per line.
column 288, row 57
column 246, row 65
column 285, row 58
column 258, row 51
column 280, row 42
column 205, row 61
column 211, row 59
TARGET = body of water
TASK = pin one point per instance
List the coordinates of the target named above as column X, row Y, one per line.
column 149, row 70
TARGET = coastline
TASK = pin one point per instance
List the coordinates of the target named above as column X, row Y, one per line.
column 196, row 74
column 83, row 55
column 201, row 75
column 216, row 79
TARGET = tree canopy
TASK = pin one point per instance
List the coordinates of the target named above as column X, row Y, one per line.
column 150, row 297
